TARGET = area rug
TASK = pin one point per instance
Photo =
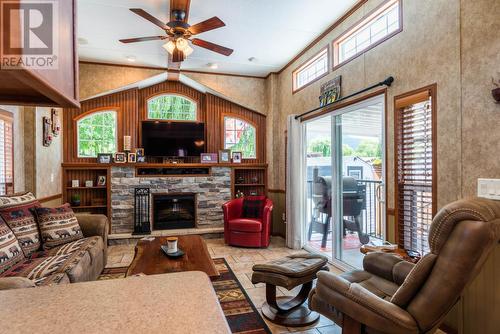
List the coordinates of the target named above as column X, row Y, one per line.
column 240, row 312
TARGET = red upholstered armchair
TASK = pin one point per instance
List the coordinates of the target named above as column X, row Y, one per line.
column 247, row 232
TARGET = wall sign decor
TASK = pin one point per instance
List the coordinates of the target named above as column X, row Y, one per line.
column 104, row 158
column 237, row 156
column 208, row 158
column 56, row 125
column 127, row 143
column 224, row 156
column 330, row 91
column 495, row 92
column 47, row 132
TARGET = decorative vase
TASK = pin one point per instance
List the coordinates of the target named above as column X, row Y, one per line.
column 496, row 94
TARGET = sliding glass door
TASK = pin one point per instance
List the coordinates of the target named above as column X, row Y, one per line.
column 345, row 198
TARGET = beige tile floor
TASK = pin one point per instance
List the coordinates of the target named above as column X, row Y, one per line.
column 241, row 261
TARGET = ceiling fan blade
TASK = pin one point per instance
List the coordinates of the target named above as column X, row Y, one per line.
column 142, row 39
column 142, row 13
column 182, row 5
column 212, row 47
column 207, row 25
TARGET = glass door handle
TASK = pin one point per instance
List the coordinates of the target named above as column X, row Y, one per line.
column 378, row 193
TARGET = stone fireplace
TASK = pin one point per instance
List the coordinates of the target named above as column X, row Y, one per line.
column 211, row 191
column 174, row 211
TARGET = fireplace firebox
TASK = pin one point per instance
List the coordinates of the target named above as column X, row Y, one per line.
column 174, row 211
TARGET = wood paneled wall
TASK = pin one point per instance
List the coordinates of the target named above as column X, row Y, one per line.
column 131, row 108
column 217, row 108
column 125, row 103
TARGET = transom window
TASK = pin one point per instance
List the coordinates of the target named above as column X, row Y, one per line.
column 240, row 136
column 171, row 107
column 97, row 134
column 383, row 23
column 311, row 70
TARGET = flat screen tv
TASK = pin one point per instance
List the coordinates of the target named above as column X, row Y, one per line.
column 173, row 139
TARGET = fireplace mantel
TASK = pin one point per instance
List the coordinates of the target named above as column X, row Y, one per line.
column 211, row 191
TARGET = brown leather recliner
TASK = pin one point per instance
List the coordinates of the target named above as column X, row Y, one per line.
column 395, row 296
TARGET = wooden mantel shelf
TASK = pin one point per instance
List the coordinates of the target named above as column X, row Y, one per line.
column 159, row 165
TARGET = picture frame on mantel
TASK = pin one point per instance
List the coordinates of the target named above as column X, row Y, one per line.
column 224, row 156
column 237, row 157
column 208, row 158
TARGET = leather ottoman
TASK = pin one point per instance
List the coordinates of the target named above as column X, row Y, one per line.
column 289, row 272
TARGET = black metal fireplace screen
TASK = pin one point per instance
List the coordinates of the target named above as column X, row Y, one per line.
column 174, row 211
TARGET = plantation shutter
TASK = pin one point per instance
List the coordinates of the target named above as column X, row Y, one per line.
column 415, row 144
column 6, row 156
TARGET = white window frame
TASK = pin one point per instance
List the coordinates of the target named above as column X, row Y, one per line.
column 249, row 125
column 91, row 115
column 366, row 25
column 323, row 55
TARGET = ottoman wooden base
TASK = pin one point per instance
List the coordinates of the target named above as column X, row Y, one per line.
column 298, row 317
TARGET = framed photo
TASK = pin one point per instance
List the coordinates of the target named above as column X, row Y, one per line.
column 208, row 158
column 75, row 183
column 104, row 158
column 237, row 156
column 120, row 157
column 101, row 180
column 139, row 152
column 224, row 156
column 132, row 157
column 89, row 183
column 141, row 158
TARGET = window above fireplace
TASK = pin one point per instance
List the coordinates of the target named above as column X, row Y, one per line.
column 171, row 107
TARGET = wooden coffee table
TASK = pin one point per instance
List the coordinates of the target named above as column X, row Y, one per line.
column 150, row 259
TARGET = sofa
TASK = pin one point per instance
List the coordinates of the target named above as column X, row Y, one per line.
column 76, row 261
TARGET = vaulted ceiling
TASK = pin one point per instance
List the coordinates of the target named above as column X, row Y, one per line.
column 270, row 32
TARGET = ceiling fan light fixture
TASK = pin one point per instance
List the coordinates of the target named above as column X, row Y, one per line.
column 170, row 47
column 182, row 44
column 187, row 51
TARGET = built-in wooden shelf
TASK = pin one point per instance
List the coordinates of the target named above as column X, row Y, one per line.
column 249, row 185
column 90, row 207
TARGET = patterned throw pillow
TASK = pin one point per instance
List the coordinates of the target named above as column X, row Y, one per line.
column 253, row 206
column 10, row 251
column 16, row 212
column 58, row 226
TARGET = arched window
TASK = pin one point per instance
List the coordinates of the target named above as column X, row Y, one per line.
column 171, row 107
column 96, row 133
column 240, row 136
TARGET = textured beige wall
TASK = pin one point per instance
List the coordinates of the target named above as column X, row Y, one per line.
column 96, row 79
column 248, row 92
column 426, row 52
column 48, row 159
column 480, row 115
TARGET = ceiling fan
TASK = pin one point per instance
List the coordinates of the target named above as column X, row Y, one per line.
column 179, row 32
